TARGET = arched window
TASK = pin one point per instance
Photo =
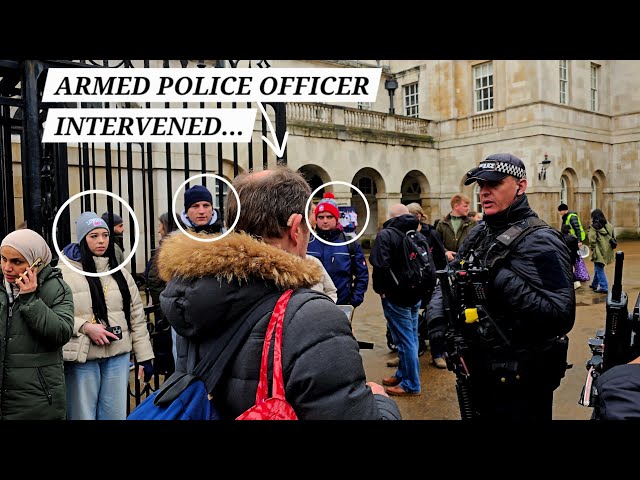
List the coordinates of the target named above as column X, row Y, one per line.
column 564, row 190
column 225, row 190
column 477, row 203
column 594, row 193
column 412, row 188
column 367, row 186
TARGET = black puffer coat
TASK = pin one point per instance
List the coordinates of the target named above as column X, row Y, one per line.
column 212, row 285
column 619, row 390
column 531, row 296
column 386, row 256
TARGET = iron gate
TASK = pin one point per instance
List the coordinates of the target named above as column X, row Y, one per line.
column 143, row 174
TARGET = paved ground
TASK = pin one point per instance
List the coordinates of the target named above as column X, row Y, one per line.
column 438, row 400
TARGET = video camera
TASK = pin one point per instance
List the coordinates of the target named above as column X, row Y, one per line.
column 620, row 337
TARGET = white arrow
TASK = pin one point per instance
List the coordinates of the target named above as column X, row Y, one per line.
column 279, row 150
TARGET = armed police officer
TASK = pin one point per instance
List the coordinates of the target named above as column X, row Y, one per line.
column 509, row 326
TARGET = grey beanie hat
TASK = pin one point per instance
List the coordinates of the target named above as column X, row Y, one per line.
column 87, row 222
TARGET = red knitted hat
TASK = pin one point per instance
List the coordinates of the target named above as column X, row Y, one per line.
column 328, row 205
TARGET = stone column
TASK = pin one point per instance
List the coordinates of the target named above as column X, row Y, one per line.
column 385, row 200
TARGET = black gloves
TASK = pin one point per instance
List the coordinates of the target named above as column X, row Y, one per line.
column 148, row 370
column 436, row 334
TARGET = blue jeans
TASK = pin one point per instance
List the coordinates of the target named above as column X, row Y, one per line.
column 98, row 389
column 599, row 277
column 403, row 324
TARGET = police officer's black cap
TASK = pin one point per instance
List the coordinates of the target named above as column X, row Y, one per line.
column 497, row 166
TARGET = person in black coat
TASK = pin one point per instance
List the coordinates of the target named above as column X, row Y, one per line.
column 572, row 243
column 436, row 247
column 516, row 352
column 212, row 286
column 438, row 253
column 400, row 302
column 619, row 392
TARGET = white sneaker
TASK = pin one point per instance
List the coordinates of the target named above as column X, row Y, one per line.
column 576, row 285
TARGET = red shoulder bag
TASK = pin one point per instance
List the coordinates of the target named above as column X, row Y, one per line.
column 275, row 407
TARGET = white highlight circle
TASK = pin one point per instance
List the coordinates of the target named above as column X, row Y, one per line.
column 135, row 226
column 366, row 204
column 179, row 222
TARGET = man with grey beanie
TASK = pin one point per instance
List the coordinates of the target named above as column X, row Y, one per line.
column 515, row 319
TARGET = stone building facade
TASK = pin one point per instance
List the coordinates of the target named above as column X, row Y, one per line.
column 574, row 123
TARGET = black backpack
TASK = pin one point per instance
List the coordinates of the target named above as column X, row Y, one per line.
column 415, row 268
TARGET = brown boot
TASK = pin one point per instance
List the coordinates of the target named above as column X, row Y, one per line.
column 390, row 381
column 399, row 391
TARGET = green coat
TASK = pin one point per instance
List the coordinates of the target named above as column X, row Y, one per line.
column 451, row 240
column 31, row 369
column 601, row 251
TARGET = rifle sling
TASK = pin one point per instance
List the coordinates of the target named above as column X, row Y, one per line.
column 514, row 235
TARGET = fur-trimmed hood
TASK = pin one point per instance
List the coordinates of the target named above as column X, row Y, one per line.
column 237, row 256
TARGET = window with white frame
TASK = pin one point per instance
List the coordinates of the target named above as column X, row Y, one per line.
column 411, row 100
column 477, row 203
column 564, row 81
column 595, row 80
column 564, row 190
column 483, row 87
column 225, row 191
column 367, row 186
column 364, row 105
column 594, row 193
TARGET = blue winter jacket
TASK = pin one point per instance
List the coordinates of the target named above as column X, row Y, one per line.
column 350, row 280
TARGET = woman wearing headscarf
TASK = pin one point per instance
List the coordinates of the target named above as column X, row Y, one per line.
column 109, row 323
column 36, row 320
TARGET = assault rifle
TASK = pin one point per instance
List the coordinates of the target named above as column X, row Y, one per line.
column 463, row 298
column 617, row 343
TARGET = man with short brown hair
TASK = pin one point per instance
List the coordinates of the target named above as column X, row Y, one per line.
column 217, row 289
column 455, row 227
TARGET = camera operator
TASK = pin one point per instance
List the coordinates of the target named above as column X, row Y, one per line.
column 516, row 356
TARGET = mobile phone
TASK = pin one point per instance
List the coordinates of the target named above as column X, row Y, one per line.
column 36, row 264
column 116, row 330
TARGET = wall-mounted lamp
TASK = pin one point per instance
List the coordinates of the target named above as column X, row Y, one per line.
column 391, row 84
column 542, row 175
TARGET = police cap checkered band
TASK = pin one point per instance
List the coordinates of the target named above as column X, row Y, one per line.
column 497, row 166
